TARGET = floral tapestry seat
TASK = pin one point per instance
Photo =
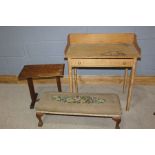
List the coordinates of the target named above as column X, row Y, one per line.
column 102, row 105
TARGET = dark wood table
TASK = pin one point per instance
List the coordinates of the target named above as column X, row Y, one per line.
column 30, row 72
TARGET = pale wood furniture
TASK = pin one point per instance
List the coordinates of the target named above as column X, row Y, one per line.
column 85, row 104
column 102, row 50
column 30, row 72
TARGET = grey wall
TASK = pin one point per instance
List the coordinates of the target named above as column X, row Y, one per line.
column 37, row 45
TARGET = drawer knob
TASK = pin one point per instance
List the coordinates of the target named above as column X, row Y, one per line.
column 124, row 63
column 79, row 63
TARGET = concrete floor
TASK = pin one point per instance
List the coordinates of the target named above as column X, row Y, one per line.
column 15, row 112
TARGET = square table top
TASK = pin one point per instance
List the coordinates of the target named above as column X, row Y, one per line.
column 41, row 71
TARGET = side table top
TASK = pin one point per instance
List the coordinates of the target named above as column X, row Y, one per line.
column 102, row 51
column 94, row 46
column 41, row 71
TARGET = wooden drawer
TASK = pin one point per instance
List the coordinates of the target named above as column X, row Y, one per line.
column 101, row 62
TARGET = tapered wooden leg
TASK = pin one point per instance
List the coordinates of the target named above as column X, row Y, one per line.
column 117, row 120
column 32, row 92
column 132, row 75
column 70, row 76
column 58, row 83
column 39, row 115
column 75, row 80
column 125, row 79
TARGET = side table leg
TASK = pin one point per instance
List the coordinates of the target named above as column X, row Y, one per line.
column 125, row 79
column 75, row 80
column 58, row 83
column 70, row 76
column 32, row 92
column 132, row 76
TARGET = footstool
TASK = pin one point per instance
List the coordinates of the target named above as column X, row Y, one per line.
column 84, row 104
column 41, row 71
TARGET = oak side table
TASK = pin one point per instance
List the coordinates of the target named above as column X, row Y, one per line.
column 119, row 50
column 30, row 72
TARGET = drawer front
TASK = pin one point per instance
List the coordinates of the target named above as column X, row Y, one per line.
column 101, row 62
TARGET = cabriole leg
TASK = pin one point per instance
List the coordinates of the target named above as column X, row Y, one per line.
column 39, row 115
column 117, row 120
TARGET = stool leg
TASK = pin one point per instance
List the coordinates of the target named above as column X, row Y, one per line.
column 117, row 120
column 39, row 115
column 32, row 92
column 58, row 83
